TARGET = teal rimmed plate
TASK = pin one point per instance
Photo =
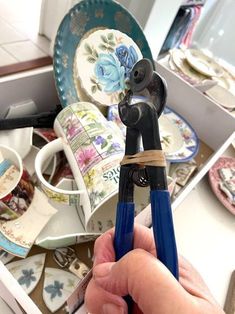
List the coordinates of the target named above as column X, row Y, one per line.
column 84, row 18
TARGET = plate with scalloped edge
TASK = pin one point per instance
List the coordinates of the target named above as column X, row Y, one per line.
column 187, row 142
column 179, row 140
column 84, row 18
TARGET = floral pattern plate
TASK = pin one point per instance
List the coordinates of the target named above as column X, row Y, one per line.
column 179, row 59
column 58, row 286
column 190, row 141
column 82, row 19
column 215, row 179
column 28, row 271
column 108, row 57
column 179, row 140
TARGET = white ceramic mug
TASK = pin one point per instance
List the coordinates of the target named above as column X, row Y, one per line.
column 94, row 152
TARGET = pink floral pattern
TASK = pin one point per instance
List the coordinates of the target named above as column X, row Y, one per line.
column 85, row 156
column 214, row 179
column 19, row 199
column 92, row 140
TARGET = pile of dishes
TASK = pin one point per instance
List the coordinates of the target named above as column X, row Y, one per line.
column 205, row 73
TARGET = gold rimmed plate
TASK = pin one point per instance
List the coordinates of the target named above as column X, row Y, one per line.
column 83, row 19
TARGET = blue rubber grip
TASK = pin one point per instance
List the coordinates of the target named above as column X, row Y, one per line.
column 164, row 230
column 123, row 237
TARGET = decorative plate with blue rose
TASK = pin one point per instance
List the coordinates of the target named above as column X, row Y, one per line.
column 103, row 64
column 84, row 18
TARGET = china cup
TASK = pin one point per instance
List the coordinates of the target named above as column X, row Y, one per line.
column 16, row 188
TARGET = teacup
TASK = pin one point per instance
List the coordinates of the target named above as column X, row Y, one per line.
column 27, row 143
column 66, row 228
column 24, row 210
column 94, row 152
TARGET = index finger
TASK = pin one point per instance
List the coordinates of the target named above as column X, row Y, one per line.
column 104, row 249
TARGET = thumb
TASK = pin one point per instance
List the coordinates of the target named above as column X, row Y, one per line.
column 147, row 280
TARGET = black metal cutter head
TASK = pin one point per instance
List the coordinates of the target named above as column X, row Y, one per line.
column 141, row 119
column 144, row 81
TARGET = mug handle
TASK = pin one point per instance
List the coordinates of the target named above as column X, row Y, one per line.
column 62, row 196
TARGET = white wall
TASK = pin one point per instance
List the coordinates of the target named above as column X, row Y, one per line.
column 159, row 22
column 215, row 29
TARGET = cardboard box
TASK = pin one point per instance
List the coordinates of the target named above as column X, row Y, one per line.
column 214, row 126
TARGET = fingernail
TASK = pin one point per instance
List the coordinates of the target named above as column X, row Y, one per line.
column 102, row 270
column 111, row 308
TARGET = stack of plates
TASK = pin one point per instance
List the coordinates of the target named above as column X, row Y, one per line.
column 197, row 68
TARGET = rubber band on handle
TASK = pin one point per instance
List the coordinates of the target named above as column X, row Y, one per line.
column 152, row 157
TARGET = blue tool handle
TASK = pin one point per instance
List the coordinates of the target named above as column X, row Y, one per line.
column 163, row 229
column 124, row 236
column 124, row 227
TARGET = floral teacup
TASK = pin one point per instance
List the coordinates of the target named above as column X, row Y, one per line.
column 16, row 188
column 94, row 152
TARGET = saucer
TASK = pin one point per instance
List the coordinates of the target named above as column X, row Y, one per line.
column 203, row 63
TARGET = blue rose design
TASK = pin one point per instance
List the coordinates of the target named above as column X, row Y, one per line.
column 110, row 73
column 127, row 57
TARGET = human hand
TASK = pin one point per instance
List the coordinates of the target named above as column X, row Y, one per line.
column 141, row 275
